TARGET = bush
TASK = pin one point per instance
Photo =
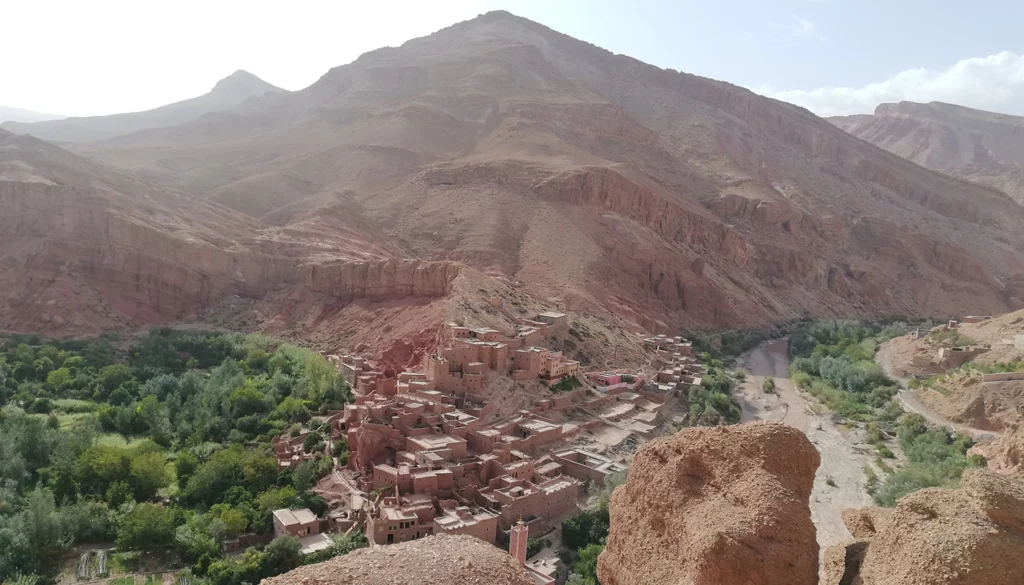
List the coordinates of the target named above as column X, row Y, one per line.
column 768, row 386
column 590, row 527
column 566, row 384
column 341, row 544
column 936, row 459
column 535, row 545
column 145, row 527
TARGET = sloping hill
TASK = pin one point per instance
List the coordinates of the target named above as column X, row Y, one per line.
column 8, row 114
column 603, row 181
column 587, row 179
column 979, row 146
column 229, row 92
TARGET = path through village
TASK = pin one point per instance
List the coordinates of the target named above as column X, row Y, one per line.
column 842, row 459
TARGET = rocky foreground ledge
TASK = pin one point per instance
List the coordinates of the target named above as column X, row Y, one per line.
column 729, row 506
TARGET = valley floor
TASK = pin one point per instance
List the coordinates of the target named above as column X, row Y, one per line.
column 840, row 480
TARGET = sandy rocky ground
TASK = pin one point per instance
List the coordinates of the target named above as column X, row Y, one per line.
column 843, row 457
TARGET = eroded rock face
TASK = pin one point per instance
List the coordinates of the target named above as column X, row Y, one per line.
column 377, row 280
column 970, row 536
column 435, row 560
column 716, row 506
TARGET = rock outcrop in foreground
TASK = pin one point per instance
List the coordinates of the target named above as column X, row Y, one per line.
column 435, row 560
column 970, row 536
column 716, row 506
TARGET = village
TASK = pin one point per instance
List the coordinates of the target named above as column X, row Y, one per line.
column 429, row 453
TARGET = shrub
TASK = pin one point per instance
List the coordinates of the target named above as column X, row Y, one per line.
column 768, row 385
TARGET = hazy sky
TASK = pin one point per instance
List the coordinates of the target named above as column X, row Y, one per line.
column 833, row 56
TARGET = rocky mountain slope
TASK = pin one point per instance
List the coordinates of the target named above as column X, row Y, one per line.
column 9, row 114
column 497, row 141
column 229, row 92
column 979, row 146
column 585, row 179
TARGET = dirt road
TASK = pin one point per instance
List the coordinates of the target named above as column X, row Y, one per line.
column 842, row 461
column 910, row 403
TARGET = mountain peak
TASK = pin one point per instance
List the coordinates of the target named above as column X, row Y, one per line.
column 243, row 82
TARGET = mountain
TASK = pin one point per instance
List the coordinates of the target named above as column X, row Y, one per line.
column 229, row 92
column 979, row 146
column 8, row 114
column 499, row 158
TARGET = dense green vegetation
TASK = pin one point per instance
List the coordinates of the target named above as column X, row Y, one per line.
column 160, row 446
column 935, row 458
column 566, row 384
column 584, row 536
column 834, row 362
column 710, row 402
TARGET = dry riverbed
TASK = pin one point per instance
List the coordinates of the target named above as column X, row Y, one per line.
column 842, row 459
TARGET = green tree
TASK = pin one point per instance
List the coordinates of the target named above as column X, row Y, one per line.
column 313, row 442
column 586, row 564
column 101, row 465
column 235, row 521
column 283, row 555
column 145, row 527
column 32, row 538
column 200, row 536
column 119, row 493
column 227, row 468
column 59, row 379
column 185, row 467
column 149, row 474
column 113, row 376
column 303, row 477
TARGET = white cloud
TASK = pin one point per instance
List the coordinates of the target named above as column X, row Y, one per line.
column 994, row 83
column 798, row 28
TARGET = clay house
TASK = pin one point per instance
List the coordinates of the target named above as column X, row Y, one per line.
column 954, row 357
column 558, row 323
column 289, row 451
column 514, row 498
column 295, row 522
column 471, row 520
column 401, row 519
column 351, row 366
column 587, row 465
column 537, row 362
column 676, row 345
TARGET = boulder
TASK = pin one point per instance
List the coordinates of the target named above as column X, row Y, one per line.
column 435, row 560
column 968, row 536
column 716, row 506
column 863, row 523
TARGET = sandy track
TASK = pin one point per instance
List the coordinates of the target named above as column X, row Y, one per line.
column 842, row 461
column 910, row 403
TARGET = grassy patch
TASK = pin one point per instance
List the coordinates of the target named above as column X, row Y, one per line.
column 117, row 440
column 72, row 405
